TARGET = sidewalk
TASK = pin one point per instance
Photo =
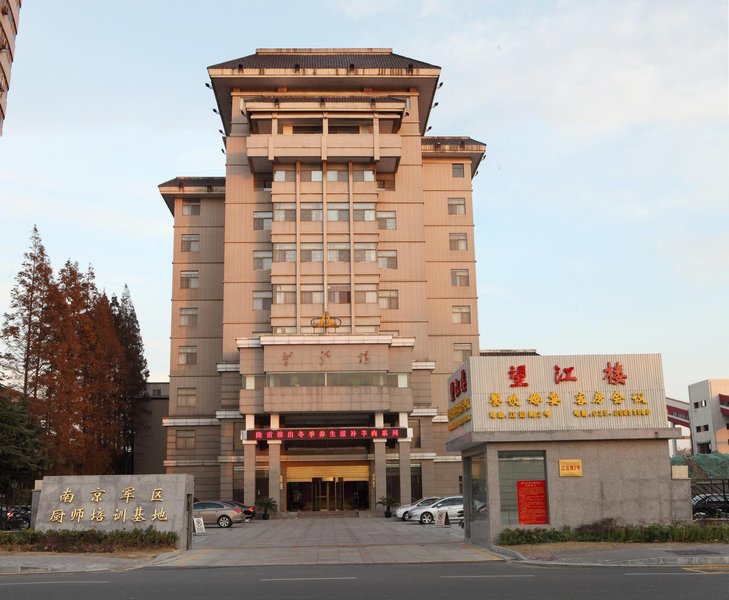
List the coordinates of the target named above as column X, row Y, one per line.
column 360, row 541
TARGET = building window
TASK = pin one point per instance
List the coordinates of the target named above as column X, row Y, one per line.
column 262, row 220
column 337, row 173
column 190, row 208
column 284, row 253
column 284, row 294
column 262, row 300
column 386, row 181
column 339, row 294
column 389, row 299
column 386, row 219
column 284, row 211
column 700, row 428
column 363, row 174
column 187, row 355
column 365, row 293
column 461, row 314
column 515, row 466
column 337, row 211
column 185, row 439
column 311, row 211
column 365, row 251
column 262, row 260
column 312, row 294
column 387, row 259
column 461, row 352
column 311, row 173
column 284, row 174
column 458, row 241
column 458, row 170
column 338, row 252
column 364, row 212
column 188, row 317
column 186, row 396
column 189, row 280
column 456, row 206
column 459, row 277
column 190, row 242
column 312, row 252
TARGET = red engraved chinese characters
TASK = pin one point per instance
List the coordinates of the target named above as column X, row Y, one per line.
column 286, row 357
column 614, row 374
column 561, row 375
column 518, row 375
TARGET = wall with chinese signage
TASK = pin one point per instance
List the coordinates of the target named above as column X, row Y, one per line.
column 110, row 502
column 548, row 393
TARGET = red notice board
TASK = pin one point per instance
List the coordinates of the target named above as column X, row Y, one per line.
column 531, row 497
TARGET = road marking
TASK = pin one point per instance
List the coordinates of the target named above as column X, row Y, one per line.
column 309, row 579
column 642, row 574
column 50, row 582
column 483, row 576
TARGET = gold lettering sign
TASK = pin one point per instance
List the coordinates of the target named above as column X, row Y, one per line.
column 570, row 467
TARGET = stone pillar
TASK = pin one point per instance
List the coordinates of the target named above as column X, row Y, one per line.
column 403, row 445
column 274, row 471
column 249, row 465
column 380, row 472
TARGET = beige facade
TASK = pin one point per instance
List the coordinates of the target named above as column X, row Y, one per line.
column 709, row 408
column 325, row 289
column 9, row 15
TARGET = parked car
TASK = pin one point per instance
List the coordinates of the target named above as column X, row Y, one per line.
column 14, row 517
column 216, row 511
column 426, row 515
column 403, row 511
column 710, row 506
column 249, row 512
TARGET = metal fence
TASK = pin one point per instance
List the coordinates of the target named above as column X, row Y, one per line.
column 710, row 499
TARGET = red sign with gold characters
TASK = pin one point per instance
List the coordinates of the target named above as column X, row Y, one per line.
column 531, row 497
column 326, row 433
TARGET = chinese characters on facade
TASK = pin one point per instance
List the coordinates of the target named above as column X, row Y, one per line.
column 107, row 508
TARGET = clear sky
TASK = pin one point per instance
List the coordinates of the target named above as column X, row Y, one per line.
column 602, row 209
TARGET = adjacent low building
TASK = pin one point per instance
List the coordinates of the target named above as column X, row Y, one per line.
column 551, row 441
column 709, row 406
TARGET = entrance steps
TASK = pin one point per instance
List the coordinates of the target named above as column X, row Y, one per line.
column 321, row 514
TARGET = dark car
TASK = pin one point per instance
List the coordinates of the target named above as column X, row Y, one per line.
column 710, row 506
column 15, row 517
column 249, row 512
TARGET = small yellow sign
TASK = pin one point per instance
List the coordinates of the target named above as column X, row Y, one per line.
column 570, row 467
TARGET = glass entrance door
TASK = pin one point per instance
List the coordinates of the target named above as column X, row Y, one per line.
column 328, row 493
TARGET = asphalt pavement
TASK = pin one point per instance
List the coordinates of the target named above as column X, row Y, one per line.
column 376, row 540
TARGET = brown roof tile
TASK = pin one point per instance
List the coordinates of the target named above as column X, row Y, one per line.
column 324, row 60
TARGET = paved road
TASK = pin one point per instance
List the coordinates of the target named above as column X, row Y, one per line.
column 437, row 581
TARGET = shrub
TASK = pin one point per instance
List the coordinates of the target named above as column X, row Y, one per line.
column 88, row 540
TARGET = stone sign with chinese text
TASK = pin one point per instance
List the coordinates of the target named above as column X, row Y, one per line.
column 557, row 393
column 112, row 502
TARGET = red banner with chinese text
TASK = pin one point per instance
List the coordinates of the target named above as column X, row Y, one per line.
column 327, row 433
column 531, row 499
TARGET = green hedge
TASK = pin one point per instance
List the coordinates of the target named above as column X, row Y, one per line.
column 607, row 530
column 89, row 540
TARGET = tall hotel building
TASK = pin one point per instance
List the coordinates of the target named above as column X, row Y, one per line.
column 9, row 14
column 325, row 288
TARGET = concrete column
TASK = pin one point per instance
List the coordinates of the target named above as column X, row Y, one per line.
column 274, row 472
column 380, row 472
column 249, row 464
column 406, row 492
column 226, row 480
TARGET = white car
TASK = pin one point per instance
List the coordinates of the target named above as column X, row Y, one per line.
column 403, row 511
column 427, row 514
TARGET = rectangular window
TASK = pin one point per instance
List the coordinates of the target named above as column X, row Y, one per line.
column 386, row 181
column 365, row 293
column 476, row 467
column 339, row 294
column 284, row 174
column 262, row 300
column 190, row 242
column 386, row 219
column 311, row 173
column 338, row 212
column 387, row 259
column 456, row 206
column 190, row 208
column 365, row 251
column 389, row 299
column 262, row 220
column 284, row 211
column 188, row 317
column 364, row 211
column 363, row 175
column 458, row 241
column 186, row 396
column 461, row 352
column 312, row 294
column 284, row 253
column 185, row 439
column 459, row 277
column 461, row 314
column 284, row 294
column 189, row 280
column 311, row 211
column 337, row 173
column 187, row 355
column 515, row 466
column 458, row 170
column 338, row 252
column 312, row 253
column 262, row 260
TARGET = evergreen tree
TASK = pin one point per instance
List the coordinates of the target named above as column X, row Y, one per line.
column 25, row 326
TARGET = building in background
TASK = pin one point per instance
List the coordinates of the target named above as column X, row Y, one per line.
column 709, row 405
column 679, row 416
column 9, row 15
column 325, row 288
column 150, row 441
